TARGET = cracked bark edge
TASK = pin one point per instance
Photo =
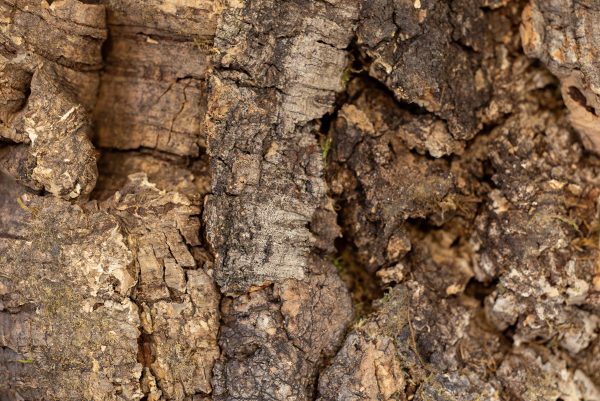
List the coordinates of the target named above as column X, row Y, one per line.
column 49, row 63
column 268, row 219
column 115, row 297
column 564, row 35
column 153, row 88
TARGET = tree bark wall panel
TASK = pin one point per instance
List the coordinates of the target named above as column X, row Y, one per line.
column 299, row 200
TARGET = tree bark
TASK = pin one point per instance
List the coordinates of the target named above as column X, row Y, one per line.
column 299, row 200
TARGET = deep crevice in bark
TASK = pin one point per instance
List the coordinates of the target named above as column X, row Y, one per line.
column 460, row 205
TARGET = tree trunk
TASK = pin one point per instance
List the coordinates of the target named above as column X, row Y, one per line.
column 299, row 200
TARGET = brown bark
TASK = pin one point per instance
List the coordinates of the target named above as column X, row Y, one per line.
column 298, row 200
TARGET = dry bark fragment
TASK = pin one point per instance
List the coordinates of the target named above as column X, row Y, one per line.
column 178, row 299
column 372, row 157
column 267, row 183
column 425, row 337
column 69, row 330
column 365, row 368
column 442, row 56
column 564, row 35
column 50, row 79
column 532, row 238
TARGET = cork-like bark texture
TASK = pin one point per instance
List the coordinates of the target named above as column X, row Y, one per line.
column 153, row 85
column 564, row 36
column 299, row 200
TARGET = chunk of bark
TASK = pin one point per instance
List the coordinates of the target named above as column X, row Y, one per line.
column 179, row 301
column 50, row 80
column 153, row 88
column 365, row 368
column 68, row 329
column 528, row 234
column 278, row 70
column 373, row 156
column 534, row 374
column 564, row 35
column 59, row 130
column 116, row 282
column 267, row 168
column 433, row 348
column 441, row 56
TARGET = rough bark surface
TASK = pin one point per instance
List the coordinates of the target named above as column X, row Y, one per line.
column 269, row 218
column 49, row 69
column 153, row 87
column 564, row 35
column 299, row 200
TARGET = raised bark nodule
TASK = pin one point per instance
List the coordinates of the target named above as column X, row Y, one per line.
column 299, row 200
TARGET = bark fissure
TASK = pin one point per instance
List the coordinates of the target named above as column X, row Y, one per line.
column 299, row 200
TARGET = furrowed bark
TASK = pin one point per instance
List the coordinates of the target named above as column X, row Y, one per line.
column 491, row 292
column 153, row 88
column 299, row 200
column 108, row 299
column 269, row 219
